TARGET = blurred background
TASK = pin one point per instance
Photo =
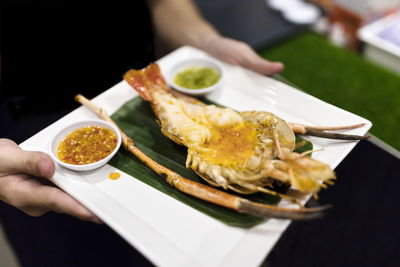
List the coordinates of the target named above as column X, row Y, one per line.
column 346, row 53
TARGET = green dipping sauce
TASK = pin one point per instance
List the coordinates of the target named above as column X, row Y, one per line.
column 196, row 77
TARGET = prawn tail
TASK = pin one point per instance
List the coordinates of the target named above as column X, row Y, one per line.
column 146, row 80
column 307, row 174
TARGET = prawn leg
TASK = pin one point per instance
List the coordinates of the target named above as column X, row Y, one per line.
column 322, row 131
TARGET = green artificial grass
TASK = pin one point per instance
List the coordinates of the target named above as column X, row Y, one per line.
column 344, row 79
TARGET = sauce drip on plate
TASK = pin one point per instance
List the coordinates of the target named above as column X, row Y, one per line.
column 114, row 176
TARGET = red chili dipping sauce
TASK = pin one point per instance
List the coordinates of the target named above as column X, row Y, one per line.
column 87, row 145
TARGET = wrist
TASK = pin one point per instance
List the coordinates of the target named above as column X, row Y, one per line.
column 203, row 40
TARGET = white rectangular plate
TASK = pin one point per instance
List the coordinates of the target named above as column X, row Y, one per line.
column 166, row 231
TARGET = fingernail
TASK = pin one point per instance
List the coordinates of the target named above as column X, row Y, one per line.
column 97, row 220
column 279, row 65
column 46, row 166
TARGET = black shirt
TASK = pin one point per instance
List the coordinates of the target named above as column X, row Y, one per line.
column 55, row 49
column 51, row 50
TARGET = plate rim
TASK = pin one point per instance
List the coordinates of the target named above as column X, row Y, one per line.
column 235, row 256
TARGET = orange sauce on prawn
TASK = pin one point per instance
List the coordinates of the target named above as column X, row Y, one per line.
column 231, row 145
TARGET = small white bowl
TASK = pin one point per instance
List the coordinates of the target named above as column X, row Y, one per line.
column 195, row 62
column 62, row 133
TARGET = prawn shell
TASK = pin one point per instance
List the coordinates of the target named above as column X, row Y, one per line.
column 266, row 120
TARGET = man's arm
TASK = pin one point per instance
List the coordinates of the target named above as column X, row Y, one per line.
column 178, row 22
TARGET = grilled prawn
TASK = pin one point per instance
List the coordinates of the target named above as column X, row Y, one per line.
column 244, row 152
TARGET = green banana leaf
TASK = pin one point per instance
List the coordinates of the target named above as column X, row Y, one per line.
column 137, row 120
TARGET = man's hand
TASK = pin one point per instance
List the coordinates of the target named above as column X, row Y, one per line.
column 240, row 53
column 21, row 185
